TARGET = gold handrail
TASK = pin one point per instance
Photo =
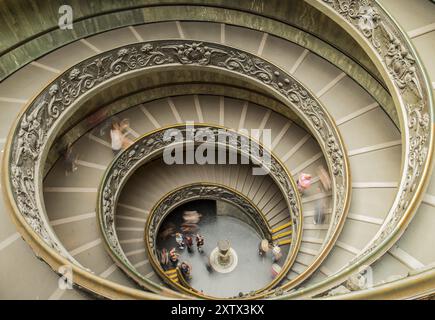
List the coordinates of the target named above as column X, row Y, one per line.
column 121, row 261
column 395, row 57
column 50, row 97
column 151, row 252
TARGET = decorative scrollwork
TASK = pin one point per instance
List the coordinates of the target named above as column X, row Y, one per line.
column 148, row 147
column 361, row 14
column 194, row 53
column 408, row 77
column 48, row 109
column 374, row 24
column 153, row 144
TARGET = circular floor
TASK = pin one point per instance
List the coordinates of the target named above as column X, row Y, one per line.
column 252, row 271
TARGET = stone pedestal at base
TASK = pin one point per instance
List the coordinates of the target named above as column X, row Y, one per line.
column 223, row 258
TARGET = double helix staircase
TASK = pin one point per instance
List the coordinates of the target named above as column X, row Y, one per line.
column 360, row 104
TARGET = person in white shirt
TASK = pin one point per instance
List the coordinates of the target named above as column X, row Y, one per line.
column 118, row 137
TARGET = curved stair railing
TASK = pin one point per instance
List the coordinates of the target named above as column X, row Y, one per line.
column 192, row 192
column 394, row 55
column 270, row 17
column 197, row 191
column 153, row 145
column 34, row 131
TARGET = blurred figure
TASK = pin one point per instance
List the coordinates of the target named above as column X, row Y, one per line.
column 324, row 178
column 186, row 270
column 321, row 204
column 189, row 227
column 70, row 159
column 208, row 265
column 118, row 136
column 180, row 241
column 276, row 269
column 276, row 253
column 319, row 210
column 191, row 220
column 191, row 217
column 164, row 259
column 263, row 248
column 304, row 182
column 167, row 231
column 199, row 242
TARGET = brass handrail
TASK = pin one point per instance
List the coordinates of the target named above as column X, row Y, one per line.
column 215, row 195
column 55, row 102
column 150, row 238
column 395, row 57
column 216, row 189
column 151, row 145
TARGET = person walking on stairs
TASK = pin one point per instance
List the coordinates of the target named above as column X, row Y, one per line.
column 70, row 160
column 304, row 182
column 321, row 204
column 319, row 210
column 118, row 136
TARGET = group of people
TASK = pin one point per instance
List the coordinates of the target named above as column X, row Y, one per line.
column 304, row 183
column 172, row 257
column 186, row 241
column 186, row 238
column 265, row 246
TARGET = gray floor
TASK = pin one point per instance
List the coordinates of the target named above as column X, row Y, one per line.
column 252, row 272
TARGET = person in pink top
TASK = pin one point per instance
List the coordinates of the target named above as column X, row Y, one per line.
column 304, row 182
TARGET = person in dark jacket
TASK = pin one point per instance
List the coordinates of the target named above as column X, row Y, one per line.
column 199, row 242
column 189, row 243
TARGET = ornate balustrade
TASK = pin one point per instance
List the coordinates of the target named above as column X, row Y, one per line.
column 153, row 145
column 36, row 128
column 198, row 191
column 202, row 191
column 395, row 57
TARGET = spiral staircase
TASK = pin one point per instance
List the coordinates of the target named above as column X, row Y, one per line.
column 340, row 84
